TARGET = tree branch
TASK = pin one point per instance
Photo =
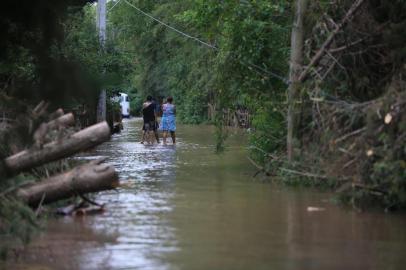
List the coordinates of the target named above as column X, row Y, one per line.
column 316, row 58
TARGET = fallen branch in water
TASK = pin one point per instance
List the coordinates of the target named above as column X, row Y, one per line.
column 89, row 210
column 312, row 175
column 264, row 152
column 260, row 168
column 79, row 209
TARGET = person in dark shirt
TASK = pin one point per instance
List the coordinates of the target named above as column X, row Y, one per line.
column 150, row 124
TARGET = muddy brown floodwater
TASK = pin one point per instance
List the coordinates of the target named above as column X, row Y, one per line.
column 186, row 208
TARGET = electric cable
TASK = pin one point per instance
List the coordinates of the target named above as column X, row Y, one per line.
column 247, row 64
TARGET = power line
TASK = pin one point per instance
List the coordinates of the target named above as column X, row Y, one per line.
column 172, row 28
column 270, row 73
column 247, row 64
column 114, row 6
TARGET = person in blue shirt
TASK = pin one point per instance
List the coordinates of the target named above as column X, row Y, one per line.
column 168, row 121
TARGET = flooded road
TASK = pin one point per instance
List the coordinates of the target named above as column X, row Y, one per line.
column 185, row 208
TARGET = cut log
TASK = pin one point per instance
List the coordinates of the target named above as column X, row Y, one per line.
column 64, row 121
column 56, row 114
column 44, row 128
column 87, row 178
column 40, row 109
column 79, row 141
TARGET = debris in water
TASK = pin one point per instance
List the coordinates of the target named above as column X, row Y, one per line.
column 315, row 209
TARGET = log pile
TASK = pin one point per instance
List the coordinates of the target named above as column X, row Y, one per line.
column 86, row 178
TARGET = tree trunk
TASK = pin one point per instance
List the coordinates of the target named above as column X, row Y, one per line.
column 79, row 141
column 296, row 63
column 91, row 177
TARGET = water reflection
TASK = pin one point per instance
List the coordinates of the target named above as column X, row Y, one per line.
column 137, row 212
column 185, row 208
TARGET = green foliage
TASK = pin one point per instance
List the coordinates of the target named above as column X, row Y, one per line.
column 245, row 33
column 18, row 221
column 248, row 34
column 342, row 139
column 270, row 131
column 110, row 66
column 136, row 101
column 32, row 63
column 384, row 169
column 33, row 67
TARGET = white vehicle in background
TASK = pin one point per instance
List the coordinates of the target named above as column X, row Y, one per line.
column 125, row 105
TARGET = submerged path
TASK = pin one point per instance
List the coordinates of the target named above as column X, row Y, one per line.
column 185, row 208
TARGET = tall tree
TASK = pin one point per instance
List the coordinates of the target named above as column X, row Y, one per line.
column 296, row 63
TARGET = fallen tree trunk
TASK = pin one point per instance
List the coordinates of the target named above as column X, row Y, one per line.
column 79, row 141
column 91, row 177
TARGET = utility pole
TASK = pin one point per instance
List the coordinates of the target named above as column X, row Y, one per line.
column 101, row 27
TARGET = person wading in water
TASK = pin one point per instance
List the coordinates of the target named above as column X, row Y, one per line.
column 168, row 121
column 150, row 123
